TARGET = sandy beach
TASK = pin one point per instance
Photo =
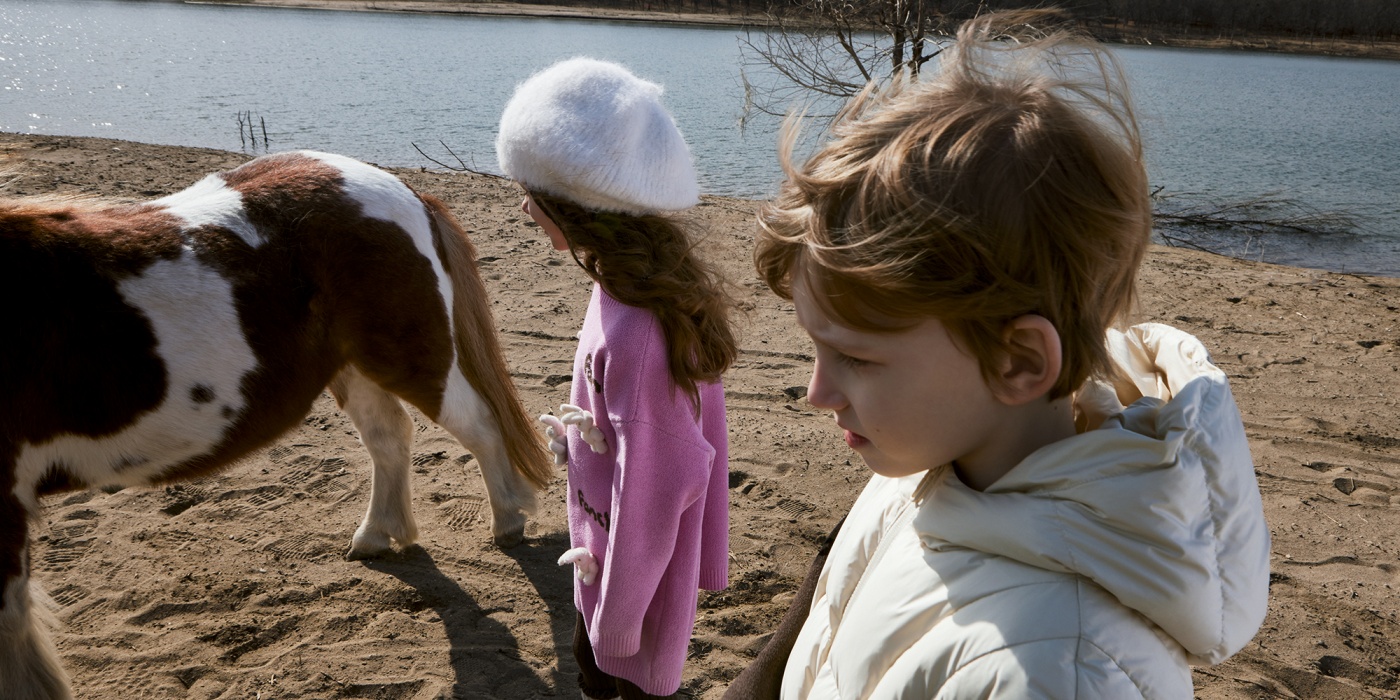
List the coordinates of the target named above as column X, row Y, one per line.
column 234, row 586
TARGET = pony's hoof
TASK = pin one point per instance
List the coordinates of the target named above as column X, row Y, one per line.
column 510, row 539
column 362, row 553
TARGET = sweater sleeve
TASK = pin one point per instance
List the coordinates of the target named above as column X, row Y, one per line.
column 714, row 548
column 660, row 475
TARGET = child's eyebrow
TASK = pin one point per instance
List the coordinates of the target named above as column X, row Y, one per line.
column 840, row 342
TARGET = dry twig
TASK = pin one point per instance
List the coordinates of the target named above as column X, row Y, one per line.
column 461, row 166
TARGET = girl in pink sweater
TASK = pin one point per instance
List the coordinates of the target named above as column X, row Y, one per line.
column 600, row 160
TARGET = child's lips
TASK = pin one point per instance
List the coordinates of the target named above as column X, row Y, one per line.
column 855, row 440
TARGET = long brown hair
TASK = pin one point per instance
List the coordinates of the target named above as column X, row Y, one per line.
column 650, row 262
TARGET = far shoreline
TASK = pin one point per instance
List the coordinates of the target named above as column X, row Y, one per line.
column 1111, row 35
column 501, row 9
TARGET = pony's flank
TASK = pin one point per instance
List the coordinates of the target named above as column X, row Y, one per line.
column 479, row 353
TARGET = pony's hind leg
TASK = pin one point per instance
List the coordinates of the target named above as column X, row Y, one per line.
column 469, row 419
column 29, row 666
column 387, row 432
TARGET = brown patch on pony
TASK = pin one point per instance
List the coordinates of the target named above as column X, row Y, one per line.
column 60, row 264
column 120, row 241
column 286, row 182
column 383, row 297
column 60, row 267
column 479, row 351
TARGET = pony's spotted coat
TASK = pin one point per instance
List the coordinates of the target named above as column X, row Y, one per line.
column 161, row 341
column 198, row 340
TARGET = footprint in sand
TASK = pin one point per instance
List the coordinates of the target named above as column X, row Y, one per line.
column 185, row 495
column 1307, row 424
column 136, row 677
column 795, row 508
column 462, row 512
column 171, row 540
column 66, row 596
column 68, row 540
column 303, row 547
column 1362, row 483
column 1366, row 491
column 264, row 497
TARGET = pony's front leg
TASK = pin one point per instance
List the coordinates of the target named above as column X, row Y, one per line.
column 29, row 666
column 387, row 432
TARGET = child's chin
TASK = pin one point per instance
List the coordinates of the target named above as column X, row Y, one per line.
column 883, row 466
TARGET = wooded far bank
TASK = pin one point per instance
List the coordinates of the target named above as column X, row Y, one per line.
column 1341, row 27
column 1355, row 28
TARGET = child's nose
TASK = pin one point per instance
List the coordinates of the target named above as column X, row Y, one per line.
column 821, row 393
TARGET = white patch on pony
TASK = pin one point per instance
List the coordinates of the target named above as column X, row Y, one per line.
column 467, row 416
column 211, row 202
column 199, row 338
column 464, row 409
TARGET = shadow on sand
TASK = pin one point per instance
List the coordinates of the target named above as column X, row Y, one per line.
column 484, row 653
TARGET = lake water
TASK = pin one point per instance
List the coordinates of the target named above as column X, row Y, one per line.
column 1324, row 132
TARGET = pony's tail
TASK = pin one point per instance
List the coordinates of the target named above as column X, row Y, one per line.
column 479, row 351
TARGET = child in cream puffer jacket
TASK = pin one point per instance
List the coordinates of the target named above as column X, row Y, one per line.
column 1058, row 509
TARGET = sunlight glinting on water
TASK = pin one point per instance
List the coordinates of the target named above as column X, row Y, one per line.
column 1232, row 126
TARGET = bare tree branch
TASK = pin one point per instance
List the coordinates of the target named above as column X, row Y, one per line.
column 832, row 50
column 1193, row 221
column 1268, row 213
column 461, row 166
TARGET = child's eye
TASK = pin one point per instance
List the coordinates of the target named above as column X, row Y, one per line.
column 849, row 361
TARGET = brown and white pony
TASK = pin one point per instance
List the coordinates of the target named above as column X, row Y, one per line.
column 152, row 342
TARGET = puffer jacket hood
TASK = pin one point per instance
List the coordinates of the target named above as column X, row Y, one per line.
column 1156, row 502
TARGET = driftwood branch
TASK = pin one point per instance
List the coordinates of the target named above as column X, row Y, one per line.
column 1189, row 220
column 1268, row 213
column 247, row 131
column 461, row 166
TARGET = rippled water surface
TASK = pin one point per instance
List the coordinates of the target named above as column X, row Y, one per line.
column 1322, row 131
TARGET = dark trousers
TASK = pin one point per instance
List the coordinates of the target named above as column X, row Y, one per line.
column 593, row 681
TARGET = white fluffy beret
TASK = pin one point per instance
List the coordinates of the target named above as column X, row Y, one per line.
column 591, row 132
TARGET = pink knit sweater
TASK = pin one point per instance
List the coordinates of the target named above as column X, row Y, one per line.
column 654, row 508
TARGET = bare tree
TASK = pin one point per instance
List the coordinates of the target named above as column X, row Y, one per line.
column 825, row 51
column 815, row 59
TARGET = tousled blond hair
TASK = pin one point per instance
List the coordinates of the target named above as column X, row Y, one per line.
column 1010, row 182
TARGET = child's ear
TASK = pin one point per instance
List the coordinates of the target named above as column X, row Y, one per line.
column 1032, row 362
